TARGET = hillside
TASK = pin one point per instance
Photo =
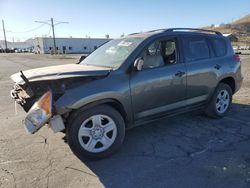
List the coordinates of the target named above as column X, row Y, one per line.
column 244, row 20
column 241, row 28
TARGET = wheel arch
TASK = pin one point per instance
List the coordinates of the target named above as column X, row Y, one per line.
column 229, row 81
column 117, row 105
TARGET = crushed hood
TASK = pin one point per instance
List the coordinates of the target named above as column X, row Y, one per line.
column 60, row 72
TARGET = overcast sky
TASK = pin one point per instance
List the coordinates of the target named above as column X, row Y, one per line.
column 98, row 18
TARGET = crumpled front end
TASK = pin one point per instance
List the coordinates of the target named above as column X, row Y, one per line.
column 37, row 91
column 39, row 109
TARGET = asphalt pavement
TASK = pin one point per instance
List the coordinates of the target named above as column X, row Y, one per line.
column 190, row 150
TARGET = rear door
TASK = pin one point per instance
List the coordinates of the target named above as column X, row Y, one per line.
column 202, row 69
column 161, row 85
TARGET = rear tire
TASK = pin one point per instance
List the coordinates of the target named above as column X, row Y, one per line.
column 95, row 133
column 220, row 102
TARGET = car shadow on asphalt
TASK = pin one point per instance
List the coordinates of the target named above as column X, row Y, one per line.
column 178, row 152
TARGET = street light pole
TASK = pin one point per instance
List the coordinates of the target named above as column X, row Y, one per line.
column 54, row 38
column 4, row 36
column 53, row 30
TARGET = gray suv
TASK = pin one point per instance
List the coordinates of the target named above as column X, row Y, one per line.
column 128, row 82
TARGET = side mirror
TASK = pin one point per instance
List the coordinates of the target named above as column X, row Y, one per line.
column 139, row 63
column 81, row 58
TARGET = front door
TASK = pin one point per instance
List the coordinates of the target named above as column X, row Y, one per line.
column 161, row 84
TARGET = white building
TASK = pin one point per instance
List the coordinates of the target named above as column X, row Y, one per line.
column 26, row 45
column 67, row 45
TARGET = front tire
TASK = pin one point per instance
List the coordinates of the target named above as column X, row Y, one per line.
column 96, row 133
column 220, row 101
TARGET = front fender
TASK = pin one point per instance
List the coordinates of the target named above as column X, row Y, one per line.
column 95, row 91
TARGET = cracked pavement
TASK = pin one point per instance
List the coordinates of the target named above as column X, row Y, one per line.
column 190, row 150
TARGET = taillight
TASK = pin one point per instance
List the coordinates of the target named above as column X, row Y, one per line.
column 237, row 57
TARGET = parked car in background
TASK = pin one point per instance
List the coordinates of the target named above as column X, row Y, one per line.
column 18, row 50
column 236, row 50
column 128, row 82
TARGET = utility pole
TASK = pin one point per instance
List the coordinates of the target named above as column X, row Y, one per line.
column 51, row 24
column 4, row 36
column 54, row 38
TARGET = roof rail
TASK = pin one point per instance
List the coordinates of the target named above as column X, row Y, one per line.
column 193, row 29
column 181, row 29
column 148, row 31
column 132, row 34
column 156, row 30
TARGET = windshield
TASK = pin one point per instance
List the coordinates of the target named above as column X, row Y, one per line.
column 113, row 53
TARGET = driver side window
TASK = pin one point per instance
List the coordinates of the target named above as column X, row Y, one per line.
column 159, row 53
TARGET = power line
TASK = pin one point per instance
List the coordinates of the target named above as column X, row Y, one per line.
column 52, row 25
column 19, row 32
column 30, row 30
column 49, row 31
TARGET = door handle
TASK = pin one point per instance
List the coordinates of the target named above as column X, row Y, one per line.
column 179, row 73
column 217, row 66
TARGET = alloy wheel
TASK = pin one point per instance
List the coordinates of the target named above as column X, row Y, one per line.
column 97, row 133
column 222, row 101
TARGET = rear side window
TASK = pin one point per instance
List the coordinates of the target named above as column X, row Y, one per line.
column 196, row 48
column 219, row 46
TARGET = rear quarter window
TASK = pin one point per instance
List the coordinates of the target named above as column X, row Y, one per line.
column 220, row 46
column 195, row 48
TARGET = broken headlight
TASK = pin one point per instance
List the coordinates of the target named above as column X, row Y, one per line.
column 39, row 113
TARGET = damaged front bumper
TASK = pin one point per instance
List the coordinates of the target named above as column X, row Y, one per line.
column 20, row 95
column 55, row 123
column 39, row 112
